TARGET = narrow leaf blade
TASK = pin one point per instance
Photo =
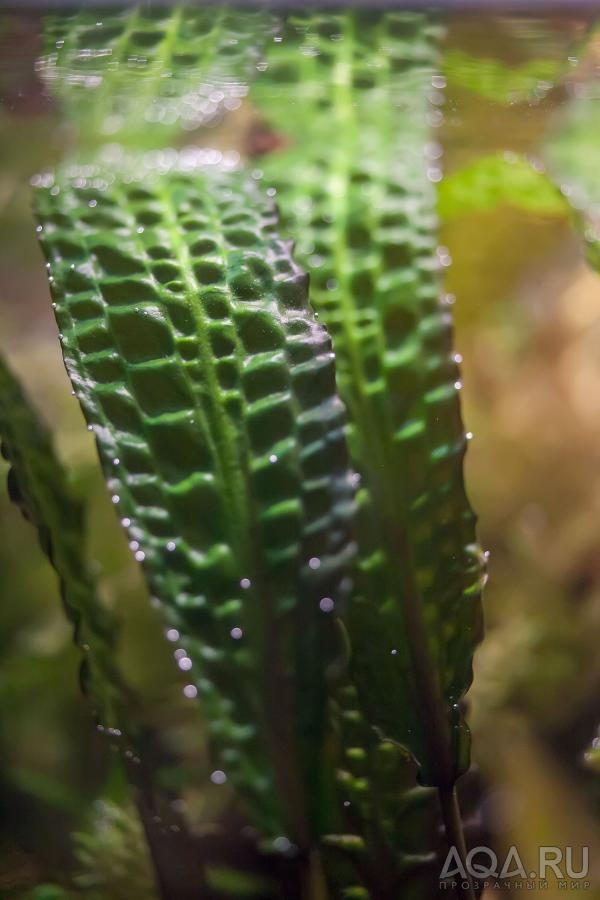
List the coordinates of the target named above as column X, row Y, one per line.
column 38, row 484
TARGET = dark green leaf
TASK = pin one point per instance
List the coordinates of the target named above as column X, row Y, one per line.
column 39, row 485
column 210, row 388
column 353, row 92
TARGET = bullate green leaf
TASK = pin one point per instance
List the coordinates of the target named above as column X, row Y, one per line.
column 357, row 96
column 122, row 74
column 210, row 388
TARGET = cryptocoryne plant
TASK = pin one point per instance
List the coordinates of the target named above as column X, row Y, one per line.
column 290, row 480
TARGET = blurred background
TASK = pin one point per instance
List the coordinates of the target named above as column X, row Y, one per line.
column 521, row 94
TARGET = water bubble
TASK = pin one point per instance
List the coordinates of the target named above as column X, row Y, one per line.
column 236, row 633
column 185, row 663
column 115, row 498
column 438, row 81
column 434, row 174
column 140, row 229
column 457, row 358
column 469, row 435
column 172, row 635
column 458, row 385
column 314, row 563
column 190, row 691
column 116, row 460
column 433, row 150
column 273, row 458
column 444, row 257
column 282, row 844
column 245, row 583
column 394, row 652
column 326, row 604
column 134, row 545
column 171, row 545
column 218, row 777
column 179, row 653
column 435, row 118
column 93, row 203
column 140, row 556
column 346, row 803
column 125, row 522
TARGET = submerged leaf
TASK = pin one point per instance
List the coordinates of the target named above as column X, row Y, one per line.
column 355, row 194
column 38, row 484
column 211, row 391
column 125, row 72
column 502, row 178
column 570, row 153
column 503, row 82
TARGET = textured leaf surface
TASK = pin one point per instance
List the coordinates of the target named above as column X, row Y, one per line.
column 353, row 93
column 120, row 72
column 39, row 485
column 211, row 390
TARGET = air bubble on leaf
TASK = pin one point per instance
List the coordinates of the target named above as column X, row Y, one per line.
column 245, row 583
column 172, row 635
column 218, row 777
column 236, row 633
column 115, row 498
column 171, row 545
column 190, row 691
column 282, row 844
column 140, row 556
column 314, row 563
column 185, row 663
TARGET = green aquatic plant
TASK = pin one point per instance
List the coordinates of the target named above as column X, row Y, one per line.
column 356, row 197
column 328, row 638
column 39, row 485
column 210, row 388
column 134, row 74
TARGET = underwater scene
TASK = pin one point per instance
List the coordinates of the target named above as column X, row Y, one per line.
column 300, row 431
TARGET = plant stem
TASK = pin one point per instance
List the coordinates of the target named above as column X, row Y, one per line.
column 455, row 837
